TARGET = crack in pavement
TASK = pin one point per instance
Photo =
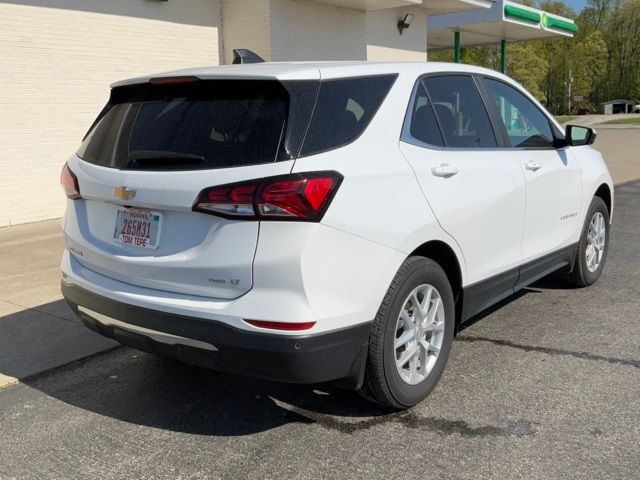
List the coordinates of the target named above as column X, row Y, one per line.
column 552, row 351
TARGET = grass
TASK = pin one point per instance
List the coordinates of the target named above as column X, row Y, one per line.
column 565, row 118
column 623, row 121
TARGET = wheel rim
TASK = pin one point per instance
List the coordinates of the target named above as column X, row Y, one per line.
column 419, row 334
column 596, row 238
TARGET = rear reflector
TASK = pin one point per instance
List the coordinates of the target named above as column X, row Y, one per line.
column 299, row 196
column 281, row 325
column 69, row 183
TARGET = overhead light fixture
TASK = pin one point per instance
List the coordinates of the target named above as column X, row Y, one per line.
column 405, row 22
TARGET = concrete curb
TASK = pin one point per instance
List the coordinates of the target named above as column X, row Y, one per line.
column 7, row 381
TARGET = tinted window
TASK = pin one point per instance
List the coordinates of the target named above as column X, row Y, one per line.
column 201, row 125
column 526, row 125
column 463, row 119
column 343, row 110
column 424, row 126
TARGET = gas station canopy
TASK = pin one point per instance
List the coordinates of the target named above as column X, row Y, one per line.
column 504, row 21
column 433, row 7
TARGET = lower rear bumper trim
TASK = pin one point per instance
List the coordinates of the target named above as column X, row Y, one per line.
column 309, row 358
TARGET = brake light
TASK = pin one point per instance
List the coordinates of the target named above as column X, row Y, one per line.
column 69, row 183
column 300, row 196
column 174, row 80
column 281, row 325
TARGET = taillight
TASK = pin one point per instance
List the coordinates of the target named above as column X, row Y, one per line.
column 281, row 325
column 69, row 183
column 299, row 196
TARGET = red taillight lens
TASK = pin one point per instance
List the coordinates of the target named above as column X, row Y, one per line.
column 300, row 196
column 69, row 183
column 281, row 325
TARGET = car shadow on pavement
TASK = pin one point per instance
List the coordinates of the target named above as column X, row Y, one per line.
column 38, row 338
column 135, row 387
column 554, row 281
column 139, row 388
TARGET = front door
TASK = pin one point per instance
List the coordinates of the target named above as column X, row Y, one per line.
column 554, row 185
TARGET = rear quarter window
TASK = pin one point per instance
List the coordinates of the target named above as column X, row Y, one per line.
column 343, row 111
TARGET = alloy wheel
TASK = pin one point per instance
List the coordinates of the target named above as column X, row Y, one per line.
column 596, row 238
column 419, row 334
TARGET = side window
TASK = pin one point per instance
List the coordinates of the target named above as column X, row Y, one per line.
column 461, row 113
column 526, row 125
column 343, row 110
column 424, row 126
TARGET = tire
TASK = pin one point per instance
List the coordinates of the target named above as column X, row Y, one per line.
column 403, row 387
column 583, row 274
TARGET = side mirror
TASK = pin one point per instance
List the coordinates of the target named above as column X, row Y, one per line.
column 577, row 136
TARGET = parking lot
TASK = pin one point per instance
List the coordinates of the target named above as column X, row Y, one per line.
column 544, row 386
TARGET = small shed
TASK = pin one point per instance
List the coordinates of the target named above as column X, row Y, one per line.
column 618, row 106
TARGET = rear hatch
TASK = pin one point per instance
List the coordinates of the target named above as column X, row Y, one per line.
column 149, row 154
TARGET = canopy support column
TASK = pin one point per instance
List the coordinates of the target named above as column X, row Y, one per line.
column 456, row 47
column 503, row 56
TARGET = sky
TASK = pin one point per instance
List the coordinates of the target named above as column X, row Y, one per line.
column 575, row 4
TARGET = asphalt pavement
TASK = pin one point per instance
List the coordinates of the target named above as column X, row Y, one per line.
column 545, row 386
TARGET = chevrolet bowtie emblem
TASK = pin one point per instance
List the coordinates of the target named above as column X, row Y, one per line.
column 123, row 193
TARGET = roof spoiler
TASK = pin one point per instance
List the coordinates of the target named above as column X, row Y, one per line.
column 243, row 55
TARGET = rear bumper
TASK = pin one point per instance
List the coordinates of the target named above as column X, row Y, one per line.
column 339, row 354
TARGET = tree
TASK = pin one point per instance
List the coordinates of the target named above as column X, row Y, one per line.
column 601, row 62
column 526, row 66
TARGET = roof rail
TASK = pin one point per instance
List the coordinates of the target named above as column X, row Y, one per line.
column 243, row 55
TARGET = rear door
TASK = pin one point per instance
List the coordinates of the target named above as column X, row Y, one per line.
column 149, row 155
column 554, row 185
column 474, row 188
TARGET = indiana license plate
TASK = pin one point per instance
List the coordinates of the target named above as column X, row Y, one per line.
column 138, row 228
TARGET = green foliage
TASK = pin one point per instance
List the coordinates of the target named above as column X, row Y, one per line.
column 527, row 67
column 565, row 118
column 600, row 63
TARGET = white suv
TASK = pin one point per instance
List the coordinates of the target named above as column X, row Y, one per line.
column 311, row 222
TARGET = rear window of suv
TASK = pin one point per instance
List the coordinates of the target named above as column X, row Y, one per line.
column 189, row 126
column 229, row 123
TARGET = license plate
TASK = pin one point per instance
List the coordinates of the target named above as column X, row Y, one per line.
column 138, row 228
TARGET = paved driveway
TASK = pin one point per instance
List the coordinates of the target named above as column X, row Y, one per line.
column 547, row 386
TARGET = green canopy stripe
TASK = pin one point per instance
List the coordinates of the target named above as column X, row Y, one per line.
column 521, row 14
column 560, row 24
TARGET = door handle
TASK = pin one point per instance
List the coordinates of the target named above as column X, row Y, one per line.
column 444, row 170
column 533, row 166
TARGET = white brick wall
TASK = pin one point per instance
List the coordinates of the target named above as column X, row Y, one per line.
column 57, row 59
column 384, row 42
column 308, row 30
column 245, row 24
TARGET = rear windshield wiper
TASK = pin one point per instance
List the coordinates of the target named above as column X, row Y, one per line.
column 161, row 159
